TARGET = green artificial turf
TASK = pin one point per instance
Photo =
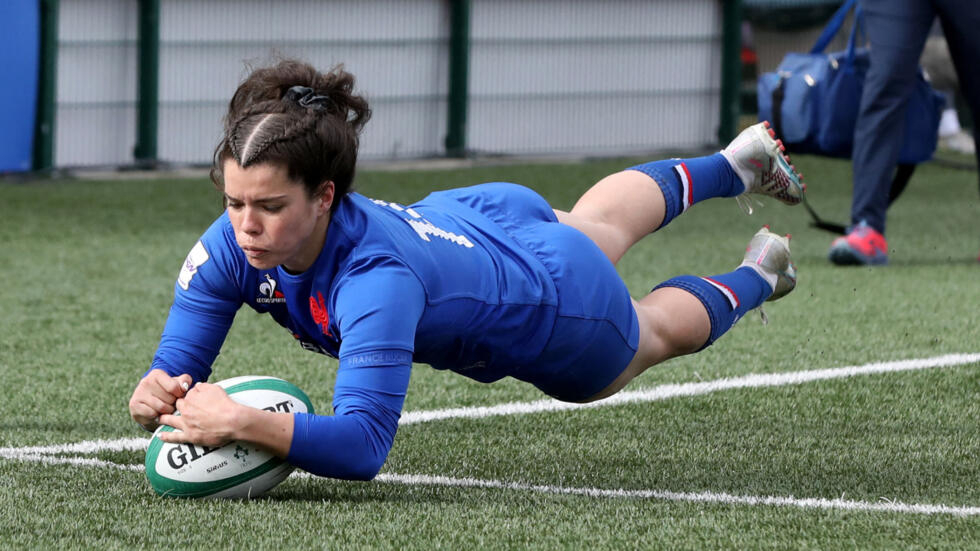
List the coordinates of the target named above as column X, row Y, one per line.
column 88, row 275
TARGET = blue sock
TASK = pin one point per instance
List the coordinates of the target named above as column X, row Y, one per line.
column 685, row 182
column 726, row 297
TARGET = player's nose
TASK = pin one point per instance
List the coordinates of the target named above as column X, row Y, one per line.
column 250, row 221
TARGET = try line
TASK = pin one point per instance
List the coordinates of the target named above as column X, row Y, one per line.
column 61, row 454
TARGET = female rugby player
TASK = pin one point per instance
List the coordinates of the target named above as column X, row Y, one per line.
column 486, row 281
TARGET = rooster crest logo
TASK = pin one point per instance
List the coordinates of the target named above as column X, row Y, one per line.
column 318, row 310
column 270, row 295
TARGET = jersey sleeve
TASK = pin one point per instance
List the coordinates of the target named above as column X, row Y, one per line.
column 206, row 298
column 378, row 305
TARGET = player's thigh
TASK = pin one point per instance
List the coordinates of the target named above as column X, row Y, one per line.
column 596, row 332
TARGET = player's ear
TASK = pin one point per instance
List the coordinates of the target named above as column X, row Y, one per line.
column 324, row 196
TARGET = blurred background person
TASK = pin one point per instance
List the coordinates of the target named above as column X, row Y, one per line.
column 938, row 65
column 897, row 31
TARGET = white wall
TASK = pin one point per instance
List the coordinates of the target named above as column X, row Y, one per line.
column 593, row 77
column 95, row 117
column 546, row 76
column 397, row 49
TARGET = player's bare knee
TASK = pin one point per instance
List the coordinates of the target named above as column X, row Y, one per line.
column 664, row 338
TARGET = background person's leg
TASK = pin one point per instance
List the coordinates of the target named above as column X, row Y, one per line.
column 961, row 21
column 897, row 30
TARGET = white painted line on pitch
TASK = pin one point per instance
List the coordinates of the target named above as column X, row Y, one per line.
column 90, row 446
column 53, row 454
column 70, row 460
column 700, row 497
column 664, row 392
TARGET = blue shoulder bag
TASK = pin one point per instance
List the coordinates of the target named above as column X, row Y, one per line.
column 812, row 99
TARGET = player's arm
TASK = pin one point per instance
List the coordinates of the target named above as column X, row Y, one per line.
column 155, row 395
column 378, row 305
column 206, row 298
column 354, row 442
column 351, row 444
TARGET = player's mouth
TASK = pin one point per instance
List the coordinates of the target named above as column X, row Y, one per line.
column 255, row 252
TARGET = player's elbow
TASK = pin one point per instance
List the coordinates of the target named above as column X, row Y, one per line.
column 360, row 467
column 347, row 447
column 366, row 470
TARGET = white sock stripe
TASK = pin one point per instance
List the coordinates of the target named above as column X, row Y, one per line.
column 683, row 174
column 725, row 290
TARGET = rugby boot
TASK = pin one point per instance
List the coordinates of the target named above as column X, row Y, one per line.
column 761, row 163
column 768, row 254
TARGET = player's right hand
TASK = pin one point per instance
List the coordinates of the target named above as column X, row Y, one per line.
column 155, row 395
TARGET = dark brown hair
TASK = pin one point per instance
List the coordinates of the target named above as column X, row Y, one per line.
column 315, row 137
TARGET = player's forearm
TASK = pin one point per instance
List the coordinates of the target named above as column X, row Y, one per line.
column 270, row 430
column 349, row 447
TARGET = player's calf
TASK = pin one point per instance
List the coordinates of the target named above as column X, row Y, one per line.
column 766, row 273
column 754, row 162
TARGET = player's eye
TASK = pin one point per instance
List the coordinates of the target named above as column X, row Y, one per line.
column 272, row 208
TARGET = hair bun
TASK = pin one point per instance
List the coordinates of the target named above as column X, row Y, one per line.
column 306, row 97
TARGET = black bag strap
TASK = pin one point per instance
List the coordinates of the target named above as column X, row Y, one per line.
column 777, row 105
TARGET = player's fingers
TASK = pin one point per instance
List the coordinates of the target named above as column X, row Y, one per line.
column 185, row 408
column 174, row 386
column 173, row 437
column 143, row 414
column 175, row 421
column 156, row 384
column 184, row 382
column 165, row 391
column 159, row 406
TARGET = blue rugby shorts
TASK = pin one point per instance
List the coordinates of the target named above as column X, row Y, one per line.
column 596, row 333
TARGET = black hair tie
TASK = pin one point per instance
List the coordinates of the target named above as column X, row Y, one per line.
column 306, row 97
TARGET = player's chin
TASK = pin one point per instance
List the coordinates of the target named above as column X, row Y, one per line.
column 263, row 261
column 263, row 265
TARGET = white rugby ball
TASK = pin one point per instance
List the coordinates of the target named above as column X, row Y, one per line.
column 235, row 470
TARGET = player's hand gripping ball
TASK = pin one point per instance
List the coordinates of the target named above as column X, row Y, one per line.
column 235, row 470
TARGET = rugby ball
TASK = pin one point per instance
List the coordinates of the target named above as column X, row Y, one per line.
column 235, row 470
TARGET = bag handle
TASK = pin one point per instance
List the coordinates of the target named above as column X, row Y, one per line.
column 836, row 22
column 852, row 40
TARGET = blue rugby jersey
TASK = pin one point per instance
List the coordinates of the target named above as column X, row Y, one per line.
column 436, row 282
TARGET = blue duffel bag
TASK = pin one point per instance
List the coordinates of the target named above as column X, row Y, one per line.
column 812, row 99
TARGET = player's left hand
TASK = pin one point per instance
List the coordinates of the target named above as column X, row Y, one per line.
column 208, row 417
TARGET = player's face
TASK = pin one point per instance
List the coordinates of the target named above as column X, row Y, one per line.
column 275, row 221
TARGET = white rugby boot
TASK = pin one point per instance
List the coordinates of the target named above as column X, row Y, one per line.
column 768, row 254
column 761, row 163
